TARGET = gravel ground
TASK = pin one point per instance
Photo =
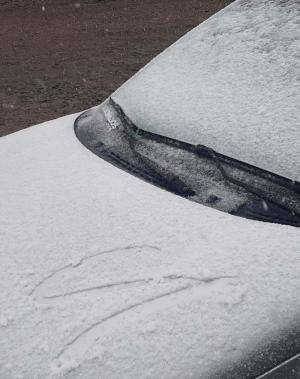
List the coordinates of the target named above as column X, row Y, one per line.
column 62, row 56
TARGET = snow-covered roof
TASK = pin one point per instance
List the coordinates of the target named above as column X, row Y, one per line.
column 231, row 84
column 104, row 274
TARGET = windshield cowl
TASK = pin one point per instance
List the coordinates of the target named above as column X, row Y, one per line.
column 196, row 172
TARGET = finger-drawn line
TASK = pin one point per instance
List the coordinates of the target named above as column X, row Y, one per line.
column 85, row 258
column 203, row 280
column 49, row 276
column 94, row 288
column 127, row 282
column 147, row 301
column 121, row 311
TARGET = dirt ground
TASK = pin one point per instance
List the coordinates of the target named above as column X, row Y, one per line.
column 62, row 56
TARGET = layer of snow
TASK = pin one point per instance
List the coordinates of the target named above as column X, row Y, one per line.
column 232, row 84
column 103, row 275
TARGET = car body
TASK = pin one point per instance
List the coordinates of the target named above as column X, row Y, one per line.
column 106, row 275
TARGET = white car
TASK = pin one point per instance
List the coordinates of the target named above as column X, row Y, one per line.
column 104, row 275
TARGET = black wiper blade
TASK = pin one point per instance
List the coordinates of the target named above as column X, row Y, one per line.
column 192, row 171
column 264, row 208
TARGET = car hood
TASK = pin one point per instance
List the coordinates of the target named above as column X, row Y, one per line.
column 101, row 272
column 231, row 84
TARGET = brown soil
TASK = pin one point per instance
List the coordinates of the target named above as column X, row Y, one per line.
column 61, row 56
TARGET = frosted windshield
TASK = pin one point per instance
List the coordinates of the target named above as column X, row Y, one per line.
column 231, row 84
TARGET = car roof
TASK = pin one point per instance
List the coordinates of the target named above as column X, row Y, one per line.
column 231, row 84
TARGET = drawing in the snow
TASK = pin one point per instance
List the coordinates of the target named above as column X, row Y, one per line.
column 157, row 235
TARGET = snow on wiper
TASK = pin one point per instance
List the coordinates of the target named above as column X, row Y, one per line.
column 192, row 171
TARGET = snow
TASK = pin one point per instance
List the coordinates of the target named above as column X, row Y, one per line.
column 231, row 84
column 103, row 274
column 105, row 131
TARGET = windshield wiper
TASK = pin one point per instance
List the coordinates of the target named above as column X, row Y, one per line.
column 268, row 208
column 196, row 172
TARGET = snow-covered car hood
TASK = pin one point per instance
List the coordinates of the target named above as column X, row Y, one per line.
column 231, row 84
column 103, row 273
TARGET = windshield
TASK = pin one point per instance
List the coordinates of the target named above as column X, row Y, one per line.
column 231, row 84
column 196, row 172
